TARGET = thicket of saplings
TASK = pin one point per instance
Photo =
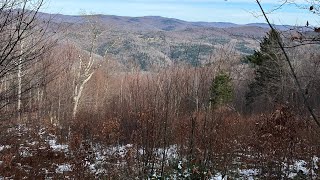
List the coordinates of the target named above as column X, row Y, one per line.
column 236, row 113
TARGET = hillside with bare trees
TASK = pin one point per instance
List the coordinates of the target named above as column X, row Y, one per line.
column 114, row 97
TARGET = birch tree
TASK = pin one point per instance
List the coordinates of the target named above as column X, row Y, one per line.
column 82, row 77
column 87, row 67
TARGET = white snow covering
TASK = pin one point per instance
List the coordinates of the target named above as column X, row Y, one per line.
column 25, row 151
column 218, row 176
column 299, row 166
column 4, row 147
column 120, row 150
column 180, row 165
column 315, row 160
column 63, row 168
column 248, row 172
column 57, row 147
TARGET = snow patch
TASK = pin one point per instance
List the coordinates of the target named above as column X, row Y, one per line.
column 24, row 151
column 57, row 147
column 63, row 168
column 248, row 172
column 180, row 165
column 4, row 147
column 217, row 176
column 315, row 160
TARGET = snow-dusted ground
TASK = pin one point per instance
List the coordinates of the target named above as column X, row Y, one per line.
column 3, row 147
column 96, row 161
column 300, row 166
column 63, row 168
column 58, row 147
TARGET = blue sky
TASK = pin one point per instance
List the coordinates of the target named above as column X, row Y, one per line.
column 236, row 11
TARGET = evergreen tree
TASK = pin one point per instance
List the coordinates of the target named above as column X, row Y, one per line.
column 221, row 90
column 270, row 71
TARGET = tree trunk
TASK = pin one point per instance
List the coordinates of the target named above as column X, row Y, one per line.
column 19, row 75
column 78, row 92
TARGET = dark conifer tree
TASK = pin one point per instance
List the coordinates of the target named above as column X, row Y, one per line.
column 270, row 73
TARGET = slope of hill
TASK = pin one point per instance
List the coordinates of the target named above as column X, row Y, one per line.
column 157, row 41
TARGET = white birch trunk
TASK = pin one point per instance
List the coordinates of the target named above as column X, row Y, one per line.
column 19, row 75
column 6, row 94
column 82, row 79
column 78, row 93
column 59, row 99
column 84, row 75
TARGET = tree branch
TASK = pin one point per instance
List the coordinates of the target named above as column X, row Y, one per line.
column 291, row 68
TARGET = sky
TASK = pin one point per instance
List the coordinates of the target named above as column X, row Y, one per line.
column 235, row 11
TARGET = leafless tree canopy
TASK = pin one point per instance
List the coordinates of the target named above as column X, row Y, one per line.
column 22, row 35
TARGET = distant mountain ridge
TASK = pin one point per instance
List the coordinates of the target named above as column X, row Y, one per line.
column 154, row 41
column 162, row 23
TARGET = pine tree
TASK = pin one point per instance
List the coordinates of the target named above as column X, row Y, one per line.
column 221, row 90
column 270, row 71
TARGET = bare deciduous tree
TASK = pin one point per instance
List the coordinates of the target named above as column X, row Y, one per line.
column 23, row 39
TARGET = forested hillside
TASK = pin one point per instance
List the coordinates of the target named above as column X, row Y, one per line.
column 113, row 97
column 149, row 42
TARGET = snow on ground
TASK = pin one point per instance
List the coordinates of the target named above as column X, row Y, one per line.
column 101, row 155
column 249, row 172
column 121, row 151
column 300, row 167
column 63, row 168
column 2, row 147
column 315, row 160
column 58, row 147
column 218, row 176
column 25, row 151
